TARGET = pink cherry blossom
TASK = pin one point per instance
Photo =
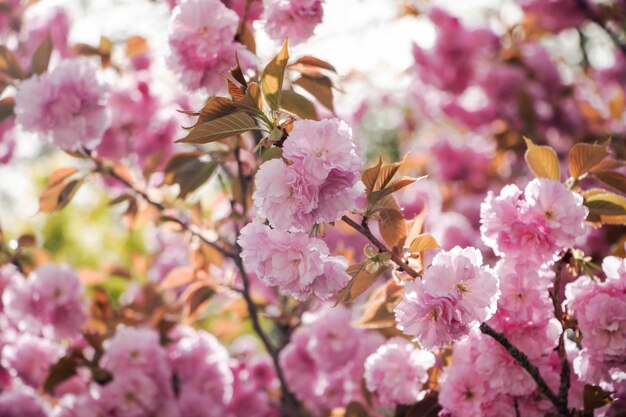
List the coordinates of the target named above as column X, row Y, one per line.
column 453, row 62
column 294, row 262
column 554, row 15
column 397, row 371
column 65, row 105
column 324, row 360
column 202, row 43
column 460, row 274
column 200, row 363
column 31, row 357
column 21, row 402
column 600, row 309
column 293, row 19
column 321, row 182
column 433, row 321
column 286, row 196
column 50, row 301
column 536, row 224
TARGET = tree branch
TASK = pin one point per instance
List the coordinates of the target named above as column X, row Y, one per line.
column 290, row 405
column 525, row 363
column 591, row 14
column 365, row 231
column 565, row 380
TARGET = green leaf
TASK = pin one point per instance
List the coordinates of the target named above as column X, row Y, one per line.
column 41, row 57
column 273, row 76
column 188, row 171
column 298, row 105
column 542, row 161
column 272, row 153
column 221, row 128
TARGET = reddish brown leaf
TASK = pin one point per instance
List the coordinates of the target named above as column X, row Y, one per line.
column 298, row 105
column 583, row 157
column 6, row 108
column 9, row 64
column 319, row 87
column 41, row 57
column 613, row 179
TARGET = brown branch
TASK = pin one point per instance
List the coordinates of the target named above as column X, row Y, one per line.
column 189, row 228
column 565, row 380
column 525, row 363
column 591, row 14
column 365, row 231
column 289, row 403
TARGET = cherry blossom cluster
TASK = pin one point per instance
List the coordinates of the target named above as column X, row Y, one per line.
column 41, row 318
column 316, row 181
column 534, row 224
column 600, row 310
column 455, row 295
column 324, row 361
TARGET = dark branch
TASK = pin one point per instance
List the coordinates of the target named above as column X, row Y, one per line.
column 524, row 362
column 365, row 231
column 591, row 14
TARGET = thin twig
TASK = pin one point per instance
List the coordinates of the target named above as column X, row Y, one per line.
column 160, row 207
column 591, row 14
column 525, row 363
column 289, row 401
column 364, row 230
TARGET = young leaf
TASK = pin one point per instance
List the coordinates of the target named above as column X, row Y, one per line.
column 9, row 64
column 422, row 243
column 272, row 153
column 605, row 204
column 6, row 108
column 542, row 160
column 387, row 172
column 221, row 128
column 177, row 277
column 392, row 226
column 59, row 192
column 595, row 397
column 41, row 57
column 360, row 282
column 298, row 105
column 613, row 179
column 273, row 76
column 378, row 311
column 583, row 157
column 215, row 108
column 311, row 66
column 319, row 87
column 188, row 171
column 370, row 175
